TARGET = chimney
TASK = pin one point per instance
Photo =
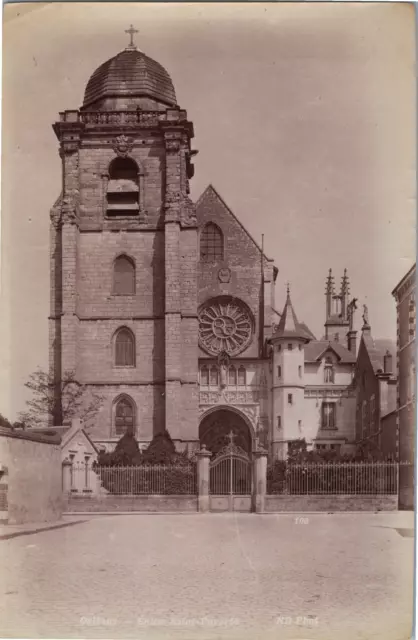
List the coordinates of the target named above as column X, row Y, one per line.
column 352, row 342
column 387, row 362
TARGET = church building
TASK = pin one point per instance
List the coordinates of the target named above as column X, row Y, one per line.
column 166, row 307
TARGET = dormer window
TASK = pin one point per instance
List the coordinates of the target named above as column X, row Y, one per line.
column 122, row 194
column 328, row 371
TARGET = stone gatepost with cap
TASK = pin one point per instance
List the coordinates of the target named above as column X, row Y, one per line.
column 259, row 480
column 203, row 457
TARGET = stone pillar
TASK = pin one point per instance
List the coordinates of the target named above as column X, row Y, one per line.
column 260, row 480
column 203, row 457
column 66, row 477
column 4, row 488
column 173, row 338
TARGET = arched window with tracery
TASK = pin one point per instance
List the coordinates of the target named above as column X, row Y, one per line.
column 328, row 371
column 124, row 348
column 122, row 194
column 123, row 276
column 204, row 376
column 211, row 243
column 242, row 377
column 124, row 416
column 232, row 376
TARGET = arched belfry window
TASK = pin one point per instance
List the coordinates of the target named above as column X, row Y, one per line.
column 211, row 243
column 122, row 195
column 124, row 351
column 123, row 276
column 124, row 416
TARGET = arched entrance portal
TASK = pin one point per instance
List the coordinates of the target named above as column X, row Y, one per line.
column 215, row 427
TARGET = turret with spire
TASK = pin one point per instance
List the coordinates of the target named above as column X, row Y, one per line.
column 288, row 343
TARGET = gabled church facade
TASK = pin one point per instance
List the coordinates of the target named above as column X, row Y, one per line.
column 166, row 307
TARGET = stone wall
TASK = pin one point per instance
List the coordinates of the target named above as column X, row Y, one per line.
column 34, row 476
column 306, row 504
column 115, row 504
column 243, row 257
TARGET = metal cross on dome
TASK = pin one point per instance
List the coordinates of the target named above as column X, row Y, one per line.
column 131, row 31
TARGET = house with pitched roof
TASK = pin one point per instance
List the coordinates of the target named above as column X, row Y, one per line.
column 313, row 394
column 375, row 386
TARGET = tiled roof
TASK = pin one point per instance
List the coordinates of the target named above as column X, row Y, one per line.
column 307, row 330
column 289, row 326
column 316, row 349
column 130, row 73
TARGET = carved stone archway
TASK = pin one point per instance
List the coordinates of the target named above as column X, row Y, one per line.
column 218, row 422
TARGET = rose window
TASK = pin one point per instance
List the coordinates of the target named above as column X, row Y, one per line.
column 224, row 326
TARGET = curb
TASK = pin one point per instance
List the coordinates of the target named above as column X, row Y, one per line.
column 28, row 532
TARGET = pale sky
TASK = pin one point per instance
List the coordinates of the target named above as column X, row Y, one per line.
column 304, row 119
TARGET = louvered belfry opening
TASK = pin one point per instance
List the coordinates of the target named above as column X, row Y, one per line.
column 123, row 188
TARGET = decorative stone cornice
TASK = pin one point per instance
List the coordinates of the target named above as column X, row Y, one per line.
column 228, row 397
column 69, row 147
column 69, row 214
column 173, row 201
column 188, row 213
column 173, row 141
column 172, row 146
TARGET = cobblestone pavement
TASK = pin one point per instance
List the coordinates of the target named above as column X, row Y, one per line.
column 232, row 576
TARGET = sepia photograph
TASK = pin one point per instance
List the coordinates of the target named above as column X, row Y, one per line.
column 208, row 319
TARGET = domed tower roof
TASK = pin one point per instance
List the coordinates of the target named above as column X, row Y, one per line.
column 127, row 77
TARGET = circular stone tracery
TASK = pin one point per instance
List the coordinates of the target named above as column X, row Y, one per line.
column 224, row 325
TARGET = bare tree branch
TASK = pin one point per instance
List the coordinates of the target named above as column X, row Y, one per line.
column 77, row 401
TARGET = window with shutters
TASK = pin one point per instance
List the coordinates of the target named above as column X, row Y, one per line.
column 124, row 348
column 123, row 276
column 124, row 416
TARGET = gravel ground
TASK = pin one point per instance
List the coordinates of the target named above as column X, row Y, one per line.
column 232, row 576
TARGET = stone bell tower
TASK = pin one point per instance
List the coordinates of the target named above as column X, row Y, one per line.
column 124, row 253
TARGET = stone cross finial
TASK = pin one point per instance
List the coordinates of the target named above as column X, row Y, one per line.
column 231, row 437
column 131, row 31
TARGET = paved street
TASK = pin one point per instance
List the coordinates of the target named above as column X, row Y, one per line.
column 212, row 576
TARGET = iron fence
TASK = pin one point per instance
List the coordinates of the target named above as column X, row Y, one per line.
column 136, row 480
column 350, row 478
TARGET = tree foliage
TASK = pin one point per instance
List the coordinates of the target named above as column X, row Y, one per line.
column 58, row 402
column 5, row 423
column 161, row 450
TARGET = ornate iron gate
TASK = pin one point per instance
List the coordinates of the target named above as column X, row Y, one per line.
column 230, row 473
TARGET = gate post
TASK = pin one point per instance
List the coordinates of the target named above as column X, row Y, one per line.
column 66, row 477
column 259, row 479
column 203, row 479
